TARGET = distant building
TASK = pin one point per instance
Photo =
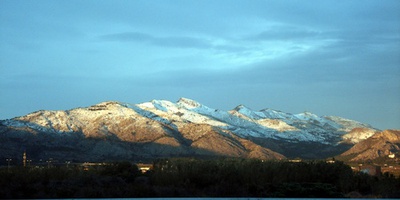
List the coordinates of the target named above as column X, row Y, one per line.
column 296, row 160
column 330, row 161
column 89, row 165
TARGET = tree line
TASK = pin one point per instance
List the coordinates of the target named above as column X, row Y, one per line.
column 185, row 177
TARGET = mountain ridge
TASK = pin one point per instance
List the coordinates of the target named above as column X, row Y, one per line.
column 160, row 128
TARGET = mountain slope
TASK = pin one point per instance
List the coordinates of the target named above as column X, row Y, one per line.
column 160, row 128
column 379, row 145
column 112, row 130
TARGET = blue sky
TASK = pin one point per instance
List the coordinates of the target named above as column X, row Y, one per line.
column 327, row 57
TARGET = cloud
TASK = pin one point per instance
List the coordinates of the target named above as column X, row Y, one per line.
column 171, row 41
column 218, row 53
column 128, row 37
column 335, row 63
column 285, row 33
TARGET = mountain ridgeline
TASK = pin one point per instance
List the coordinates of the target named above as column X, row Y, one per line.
column 112, row 131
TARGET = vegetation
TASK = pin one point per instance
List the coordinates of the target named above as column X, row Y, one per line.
column 197, row 178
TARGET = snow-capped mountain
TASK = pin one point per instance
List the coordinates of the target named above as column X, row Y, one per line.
column 163, row 128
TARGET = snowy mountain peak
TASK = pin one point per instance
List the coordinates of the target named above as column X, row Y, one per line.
column 240, row 107
column 307, row 114
column 243, row 109
column 275, row 114
column 104, row 105
column 347, row 125
column 162, row 105
column 188, row 103
column 248, row 112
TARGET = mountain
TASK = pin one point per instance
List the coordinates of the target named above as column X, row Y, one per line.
column 159, row 128
column 378, row 146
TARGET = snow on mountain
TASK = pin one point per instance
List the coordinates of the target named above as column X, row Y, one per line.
column 162, row 109
column 259, row 118
column 242, row 121
column 278, row 125
column 94, row 120
column 276, row 114
column 321, row 121
column 266, row 123
column 357, row 135
column 188, row 103
column 347, row 125
column 245, row 111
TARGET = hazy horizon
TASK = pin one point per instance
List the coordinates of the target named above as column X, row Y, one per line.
column 335, row 58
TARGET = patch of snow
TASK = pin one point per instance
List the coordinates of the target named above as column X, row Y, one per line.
column 347, row 125
column 175, row 112
column 160, row 105
column 21, row 124
column 358, row 136
column 188, row 103
column 307, row 116
column 249, row 112
column 275, row 114
column 276, row 124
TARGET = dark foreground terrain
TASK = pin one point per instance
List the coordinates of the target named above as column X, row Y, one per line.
column 197, row 178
